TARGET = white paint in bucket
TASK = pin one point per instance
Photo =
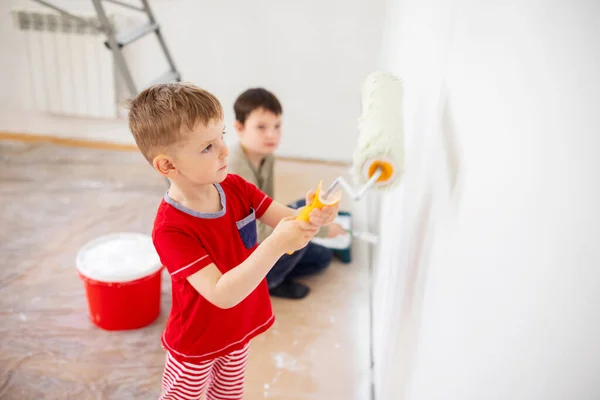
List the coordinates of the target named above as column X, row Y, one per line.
column 118, row 257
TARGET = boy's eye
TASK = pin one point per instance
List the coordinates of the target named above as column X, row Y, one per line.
column 261, row 127
column 207, row 149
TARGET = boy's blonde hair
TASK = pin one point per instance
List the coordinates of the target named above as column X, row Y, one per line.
column 158, row 114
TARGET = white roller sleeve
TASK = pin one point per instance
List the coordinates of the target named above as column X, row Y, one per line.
column 381, row 133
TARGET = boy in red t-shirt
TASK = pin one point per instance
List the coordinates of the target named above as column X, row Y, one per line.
column 205, row 234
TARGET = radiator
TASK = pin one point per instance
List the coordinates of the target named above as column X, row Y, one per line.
column 69, row 70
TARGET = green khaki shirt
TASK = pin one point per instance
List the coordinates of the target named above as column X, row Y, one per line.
column 262, row 177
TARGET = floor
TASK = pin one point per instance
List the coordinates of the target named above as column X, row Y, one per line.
column 54, row 199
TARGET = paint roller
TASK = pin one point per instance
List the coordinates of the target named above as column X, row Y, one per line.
column 379, row 154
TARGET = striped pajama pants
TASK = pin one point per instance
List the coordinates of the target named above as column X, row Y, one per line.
column 219, row 378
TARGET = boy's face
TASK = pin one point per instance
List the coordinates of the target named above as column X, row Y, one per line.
column 261, row 132
column 200, row 158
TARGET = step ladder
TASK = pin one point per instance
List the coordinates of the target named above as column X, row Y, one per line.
column 116, row 41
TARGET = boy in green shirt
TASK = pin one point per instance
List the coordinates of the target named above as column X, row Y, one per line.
column 258, row 124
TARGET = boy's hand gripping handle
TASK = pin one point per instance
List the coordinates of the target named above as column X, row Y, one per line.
column 317, row 202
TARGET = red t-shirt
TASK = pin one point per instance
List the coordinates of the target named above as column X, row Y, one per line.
column 187, row 241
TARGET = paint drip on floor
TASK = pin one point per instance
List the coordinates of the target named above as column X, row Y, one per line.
column 287, row 362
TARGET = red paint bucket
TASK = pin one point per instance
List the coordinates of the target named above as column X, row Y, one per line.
column 121, row 273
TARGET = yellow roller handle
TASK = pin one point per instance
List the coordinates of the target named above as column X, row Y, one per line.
column 317, row 202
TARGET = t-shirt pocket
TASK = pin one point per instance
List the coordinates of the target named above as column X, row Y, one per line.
column 247, row 229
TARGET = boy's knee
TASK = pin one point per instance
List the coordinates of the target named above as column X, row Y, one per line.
column 323, row 257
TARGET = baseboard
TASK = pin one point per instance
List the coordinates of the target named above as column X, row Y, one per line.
column 69, row 142
column 104, row 145
column 313, row 161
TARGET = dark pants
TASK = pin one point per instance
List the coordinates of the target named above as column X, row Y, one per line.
column 310, row 260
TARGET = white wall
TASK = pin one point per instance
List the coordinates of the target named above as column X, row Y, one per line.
column 312, row 54
column 495, row 280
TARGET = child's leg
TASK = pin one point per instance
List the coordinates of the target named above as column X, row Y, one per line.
column 184, row 380
column 283, row 267
column 314, row 260
column 227, row 381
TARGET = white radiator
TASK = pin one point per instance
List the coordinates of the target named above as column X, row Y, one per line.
column 70, row 71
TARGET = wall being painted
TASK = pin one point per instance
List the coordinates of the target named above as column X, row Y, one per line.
column 489, row 271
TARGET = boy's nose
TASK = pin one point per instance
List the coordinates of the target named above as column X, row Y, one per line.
column 224, row 151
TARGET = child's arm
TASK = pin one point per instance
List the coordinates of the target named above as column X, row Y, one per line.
column 275, row 213
column 229, row 289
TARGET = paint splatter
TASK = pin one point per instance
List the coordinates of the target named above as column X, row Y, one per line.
column 285, row 361
column 277, row 375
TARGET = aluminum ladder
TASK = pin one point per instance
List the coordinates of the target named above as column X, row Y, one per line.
column 116, row 41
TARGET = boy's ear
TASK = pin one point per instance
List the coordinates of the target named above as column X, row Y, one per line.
column 239, row 127
column 164, row 165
